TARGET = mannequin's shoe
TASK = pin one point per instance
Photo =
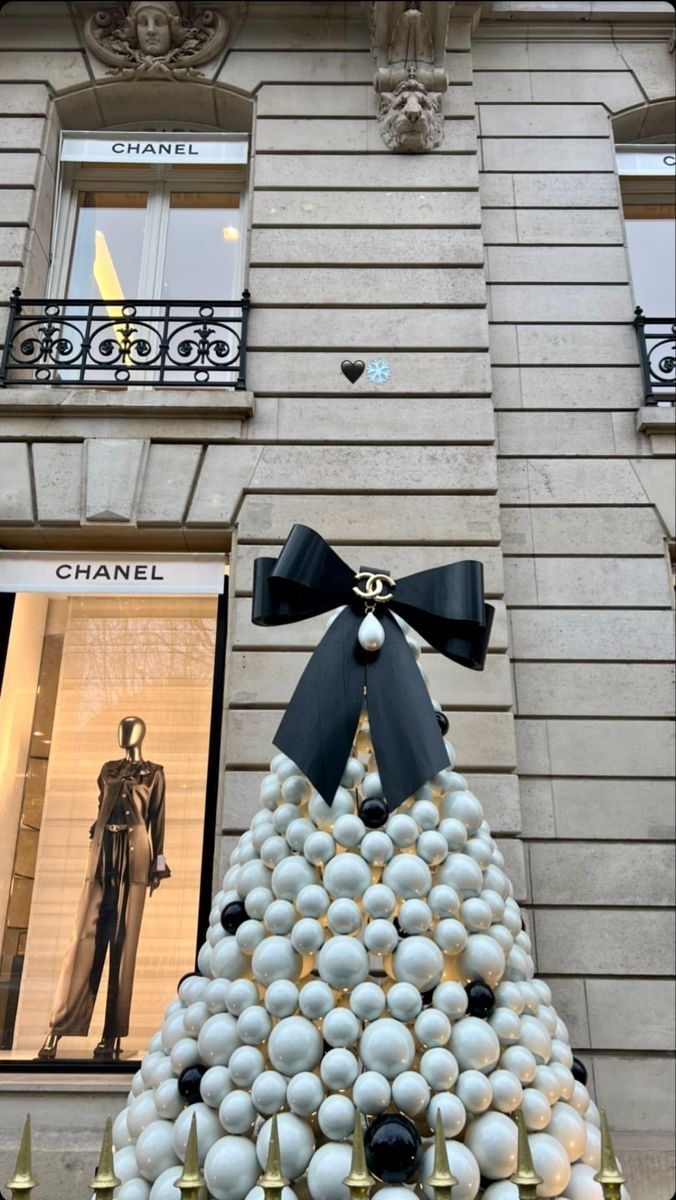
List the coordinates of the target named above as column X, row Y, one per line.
column 48, row 1049
column 109, row 1048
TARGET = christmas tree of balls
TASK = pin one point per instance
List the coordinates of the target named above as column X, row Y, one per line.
column 361, row 961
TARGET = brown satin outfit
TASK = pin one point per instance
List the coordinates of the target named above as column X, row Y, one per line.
column 126, row 852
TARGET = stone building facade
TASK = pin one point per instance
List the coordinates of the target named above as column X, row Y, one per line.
column 490, row 273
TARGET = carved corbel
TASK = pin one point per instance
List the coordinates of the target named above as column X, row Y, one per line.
column 409, row 42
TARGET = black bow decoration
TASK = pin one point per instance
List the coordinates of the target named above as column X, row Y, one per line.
column 445, row 605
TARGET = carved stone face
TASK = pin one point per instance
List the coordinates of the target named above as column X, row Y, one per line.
column 410, row 118
column 153, row 31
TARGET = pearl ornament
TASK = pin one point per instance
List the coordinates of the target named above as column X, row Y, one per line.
column 312, row 901
column 410, row 1093
column 215, row 1085
column 231, row 1168
column 315, row 1000
column 403, row 830
column 304, row 1093
column 507, row 1091
column 475, row 1091
column 367, row 1001
column 492, row 1139
column 376, row 848
column 536, row 1110
column 370, row 634
column 380, row 937
column 343, row 961
column 296, row 1144
column 550, row 1161
column 217, row 1039
column 275, row 958
column 338, row 1069
column 307, row 936
column 280, row 917
column 414, row 916
column 372, row 1093
column 281, row 998
column 432, row 1028
column 418, row 960
column 268, row 1092
column 386, row 1046
column 336, row 1117
column 520, row 1061
column 254, row 1025
column 452, row 999
column 453, row 1115
column 567, row 1126
column 246, row 1063
column 155, row 1149
column 404, row 1002
column 340, row 1027
column 379, row 901
column 237, row 1113
column 329, row 1166
column 344, row 916
column 349, row 830
column 295, row 1044
column 482, row 959
column 439, row 1068
column 462, row 1164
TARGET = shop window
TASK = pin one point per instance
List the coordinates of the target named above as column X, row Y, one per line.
column 107, row 713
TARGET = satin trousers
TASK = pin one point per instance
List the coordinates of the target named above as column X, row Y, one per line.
column 107, row 924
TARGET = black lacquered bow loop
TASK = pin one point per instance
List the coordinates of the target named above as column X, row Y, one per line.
column 364, row 652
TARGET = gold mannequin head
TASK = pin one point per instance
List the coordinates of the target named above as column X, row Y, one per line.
column 130, row 735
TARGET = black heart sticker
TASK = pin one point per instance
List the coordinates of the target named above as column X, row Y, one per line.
column 352, row 370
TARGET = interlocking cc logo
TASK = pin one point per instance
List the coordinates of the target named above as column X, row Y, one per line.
column 372, row 590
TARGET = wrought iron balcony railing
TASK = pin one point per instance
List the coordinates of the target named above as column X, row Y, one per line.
column 114, row 343
column 657, row 350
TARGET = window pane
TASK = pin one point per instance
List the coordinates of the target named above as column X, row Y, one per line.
column 108, row 246
column 652, row 254
column 202, row 246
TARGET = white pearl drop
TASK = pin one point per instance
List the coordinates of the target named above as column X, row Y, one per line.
column 371, row 634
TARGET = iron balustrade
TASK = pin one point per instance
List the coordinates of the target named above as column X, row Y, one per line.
column 117, row 343
column 657, row 350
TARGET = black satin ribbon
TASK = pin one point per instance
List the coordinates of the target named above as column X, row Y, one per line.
column 445, row 605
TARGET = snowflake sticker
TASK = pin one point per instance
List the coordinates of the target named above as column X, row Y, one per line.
column 378, row 371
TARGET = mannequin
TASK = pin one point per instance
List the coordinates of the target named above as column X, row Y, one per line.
column 126, row 858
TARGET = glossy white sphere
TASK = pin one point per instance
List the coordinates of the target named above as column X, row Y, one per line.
column 295, row 1045
column 520, row 1061
column 546, row 1082
column 376, row 848
column 506, row 1024
column 492, row 1138
column 432, row 1028
column 275, row 958
column 281, row 998
column 439, row 1068
column 141, row 1112
column 507, row 1091
column 215, row 995
column 536, row 1110
column 126, row 1166
column 474, row 1044
column 184, row 1053
column 432, row 847
column 273, row 850
column 550, row 1161
column 451, row 998
column 338, row 1069
column 268, row 1092
column 155, row 1149
column 208, row 1130
column 164, row 1187
column 121, row 1135
column 344, row 916
column 237, row 1112
column 565, row 1079
column 591, row 1154
column 372, row 1093
column 353, row 773
column 582, row 1185
column 379, row 901
column 246, row 1064
column 329, row 1166
column 296, row 789
column 463, row 1165
column 367, row 1001
column 380, row 937
column 315, row 999
column 312, row 901
column 336, row 1117
column 462, row 873
column 139, row 1189
column 254, row 1025
column 409, row 876
column 386, row 1046
column 475, row 1091
column 341, row 1027
column 508, row 995
column 476, row 914
column 465, row 807
column 453, row 1115
column 291, row 875
column 535, row 1037
column 410, row 1093
column 568, row 1127
column 215, row 1085
column 392, row 1192
column 319, row 848
column 343, row 961
column 418, row 960
column 305, row 1093
column 195, row 1016
column 454, row 833
column 371, row 785
column 217, row 1039
column 503, row 1190
column 404, row 1001
column 451, row 936
column 242, row 994
column 296, row 1143
column 414, row 916
column 307, row 936
column 325, row 815
column 482, row 959
column 347, row 875
column 280, row 917
column 231, row 1168
column 580, row 1098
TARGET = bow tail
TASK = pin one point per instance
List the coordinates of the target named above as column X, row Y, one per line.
column 407, row 741
column 319, row 725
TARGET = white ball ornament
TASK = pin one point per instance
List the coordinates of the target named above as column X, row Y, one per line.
column 550, row 1161
column 535, row 1037
column 349, row 830
column 520, row 1061
column 476, row 914
column 194, row 1018
column 568, row 1127
column 164, row 1187
column 215, row 1086
column 304, row 1093
column 155, row 1149
column 387, row 1047
column 432, row 847
column 439, row 1068
column 371, row 785
column 475, row 1091
column 291, row 875
column 273, row 850
column 246, row 1064
column 173, row 1030
column 342, row 961
column 508, row 995
column 325, row 815
column 191, row 990
column 591, row 1154
column 215, row 933
column 312, row 901
column 463, row 1165
column 376, row 848
column 274, row 959
column 404, row 1001
column 453, row 1115
column 425, row 812
column 432, row 1028
column 254, row 1025
column 268, row 1092
column 184, row 1053
column 379, row 901
column 410, row 1093
column 454, row 833
column 341, row 1027
column 353, row 773
column 296, row 789
column 482, row 959
column 141, row 1112
column 380, row 937
column 372, row 1093
column 249, row 935
column 283, row 816
column 208, row 1130
column 307, row 936
column 480, row 850
column 242, row 994
column 403, row 830
column 409, row 877
column 414, row 916
column 258, row 901
column 519, row 965
column 319, row 848
column 281, row 998
column 546, row 1082
column 367, row 1001
column 285, row 768
column 394, row 1192
column 503, row 1190
column 507, row 1091
column 139, row 1189
column 336, row 1117
column 503, row 937
column 280, row 917
column 296, row 1143
column 459, row 871
column 231, row 1168
column 492, row 1139
column 465, row 807
column 451, row 936
column 121, row 1135
column 561, row 1053
column 418, row 960
column 344, row 916
column 338, row 1069
column 506, row 1024
column 582, row 1185
column 474, row 1044
column 217, row 1039
column 536, row 1110
column 125, row 1164
column 315, row 1000
column 329, row 1166
column 451, row 998
column 252, row 875
column 295, row 1044
column 227, row 960
column 580, row 1098
column 347, row 875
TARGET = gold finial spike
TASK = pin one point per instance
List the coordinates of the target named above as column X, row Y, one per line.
column 525, row 1177
column 191, row 1181
column 442, row 1179
column 272, row 1181
column 609, row 1176
column 359, row 1181
column 23, row 1182
column 105, row 1180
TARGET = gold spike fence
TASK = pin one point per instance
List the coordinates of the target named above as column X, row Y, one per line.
column 360, row 1182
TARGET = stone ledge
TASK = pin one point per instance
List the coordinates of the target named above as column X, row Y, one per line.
column 187, row 403
column 63, row 1082
column 659, row 423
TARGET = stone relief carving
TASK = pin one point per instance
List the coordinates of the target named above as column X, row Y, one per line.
column 154, row 39
column 409, row 40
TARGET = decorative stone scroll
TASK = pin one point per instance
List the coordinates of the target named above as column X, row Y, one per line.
column 409, row 41
column 155, row 39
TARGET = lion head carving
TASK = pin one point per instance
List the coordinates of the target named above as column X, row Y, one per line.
column 410, row 118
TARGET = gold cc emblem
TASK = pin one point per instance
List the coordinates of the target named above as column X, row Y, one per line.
column 373, row 588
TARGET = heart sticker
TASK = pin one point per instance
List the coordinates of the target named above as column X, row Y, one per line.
column 352, row 370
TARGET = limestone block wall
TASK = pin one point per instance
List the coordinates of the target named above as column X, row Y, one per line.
column 587, row 590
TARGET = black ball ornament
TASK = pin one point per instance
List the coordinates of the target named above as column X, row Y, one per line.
column 442, row 720
column 579, row 1071
column 189, row 1083
column 233, row 915
column 374, row 812
column 480, row 999
column 393, row 1148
